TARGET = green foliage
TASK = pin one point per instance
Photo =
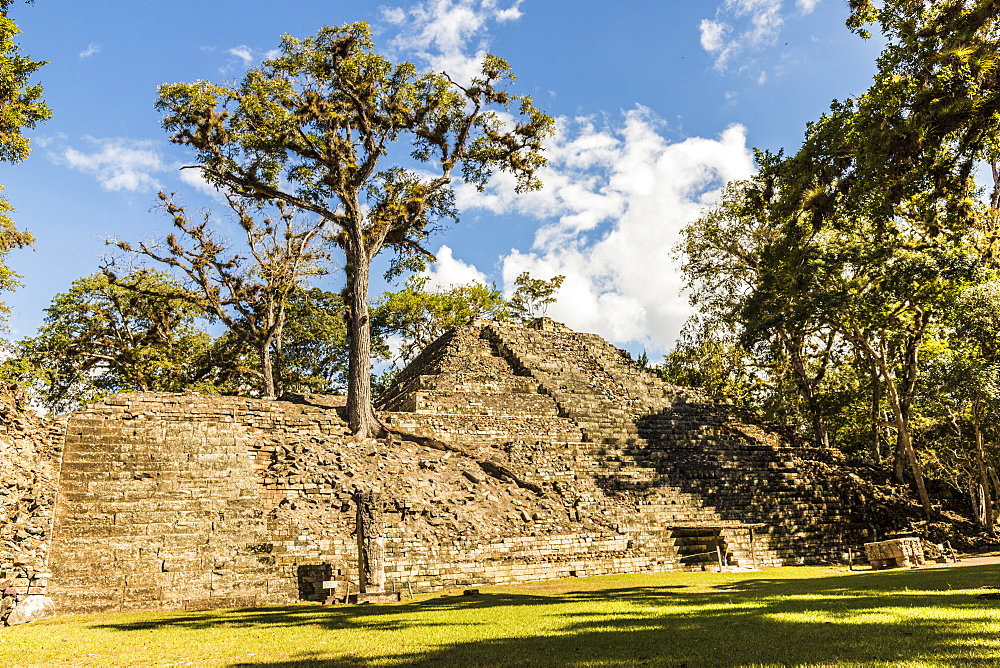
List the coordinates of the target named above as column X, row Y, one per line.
column 21, row 108
column 707, row 355
column 909, row 146
column 419, row 316
column 21, row 104
column 99, row 338
column 533, row 296
column 312, row 357
column 845, row 270
column 314, row 353
column 249, row 293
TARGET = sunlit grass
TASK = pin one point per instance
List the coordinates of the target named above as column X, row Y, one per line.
column 789, row 616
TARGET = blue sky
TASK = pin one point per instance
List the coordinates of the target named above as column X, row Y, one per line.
column 658, row 102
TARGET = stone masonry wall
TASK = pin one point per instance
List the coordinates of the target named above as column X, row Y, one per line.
column 29, row 456
column 190, row 501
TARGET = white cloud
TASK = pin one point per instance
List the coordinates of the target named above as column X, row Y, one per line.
column 243, row 52
column 91, row 50
column 713, row 34
column 741, row 27
column 806, row 6
column 393, row 15
column 245, row 56
column 449, row 271
column 117, row 163
column 614, row 201
column 449, row 34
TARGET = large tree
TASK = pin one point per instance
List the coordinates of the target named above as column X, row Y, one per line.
column 870, row 230
column 325, row 127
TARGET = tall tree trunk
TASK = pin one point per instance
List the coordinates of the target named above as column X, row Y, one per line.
column 906, row 444
column 807, row 387
column 264, row 350
column 901, row 456
column 994, row 480
column 904, row 389
column 876, row 417
column 278, row 347
column 360, row 414
column 900, row 411
column 984, row 481
column 371, row 543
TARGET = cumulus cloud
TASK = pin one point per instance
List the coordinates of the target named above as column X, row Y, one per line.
column 614, row 201
column 118, row 164
column 742, row 27
column 713, row 35
column 91, row 50
column 450, row 35
column 449, row 271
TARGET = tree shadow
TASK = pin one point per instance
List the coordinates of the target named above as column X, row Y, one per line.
column 864, row 618
column 332, row 617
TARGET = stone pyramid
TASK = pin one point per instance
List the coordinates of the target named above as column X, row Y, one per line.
column 512, row 453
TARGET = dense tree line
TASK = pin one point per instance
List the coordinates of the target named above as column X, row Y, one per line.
column 145, row 330
column 850, row 290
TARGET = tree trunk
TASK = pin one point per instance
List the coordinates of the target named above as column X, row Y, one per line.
column 900, row 459
column 264, row 350
column 807, row 389
column 900, row 411
column 876, row 418
column 995, row 481
column 906, row 445
column 360, row 414
column 371, row 543
column 279, row 353
column 984, row 481
column 903, row 390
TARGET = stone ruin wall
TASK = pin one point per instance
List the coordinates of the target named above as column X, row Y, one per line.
column 517, row 454
column 186, row 501
column 29, row 456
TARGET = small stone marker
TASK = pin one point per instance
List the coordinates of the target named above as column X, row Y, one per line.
column 895, row 553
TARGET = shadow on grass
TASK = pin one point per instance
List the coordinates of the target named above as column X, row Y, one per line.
column 900, row 617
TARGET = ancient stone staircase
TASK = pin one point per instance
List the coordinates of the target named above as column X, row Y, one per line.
column 680, row 456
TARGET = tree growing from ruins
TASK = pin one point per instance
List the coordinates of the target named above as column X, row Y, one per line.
column 248, row 293
column 533, row 296
column 324, row 128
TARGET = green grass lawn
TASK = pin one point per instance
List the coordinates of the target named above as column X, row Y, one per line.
column 814, row 616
